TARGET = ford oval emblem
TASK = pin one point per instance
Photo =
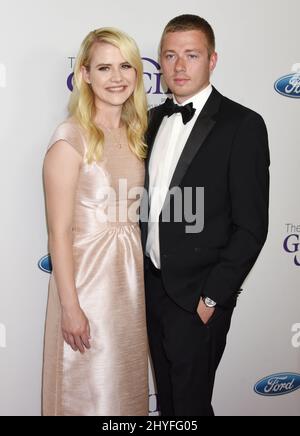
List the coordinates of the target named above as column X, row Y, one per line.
column 278, row 384
column 289, row 85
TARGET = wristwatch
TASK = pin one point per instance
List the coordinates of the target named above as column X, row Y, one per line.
column 209, row 302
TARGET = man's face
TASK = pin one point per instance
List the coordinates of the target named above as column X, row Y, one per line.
column 186, row 64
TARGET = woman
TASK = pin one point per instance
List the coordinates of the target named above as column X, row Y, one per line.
column 95, row 358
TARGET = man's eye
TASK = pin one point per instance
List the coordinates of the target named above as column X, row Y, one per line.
column 193, row 56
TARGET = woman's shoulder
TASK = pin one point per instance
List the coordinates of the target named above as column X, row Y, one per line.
column 71, row 132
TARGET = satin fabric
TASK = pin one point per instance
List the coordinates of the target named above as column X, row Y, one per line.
column 111, row 379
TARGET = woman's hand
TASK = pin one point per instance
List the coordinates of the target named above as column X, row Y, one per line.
column 76, row 328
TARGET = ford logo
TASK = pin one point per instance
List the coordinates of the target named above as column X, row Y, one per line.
column 289, row 85
column 278, row 384
column 45, row 264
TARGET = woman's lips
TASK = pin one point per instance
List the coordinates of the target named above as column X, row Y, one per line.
column 117, row 89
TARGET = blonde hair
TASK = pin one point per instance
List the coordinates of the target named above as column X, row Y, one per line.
column 82, row 106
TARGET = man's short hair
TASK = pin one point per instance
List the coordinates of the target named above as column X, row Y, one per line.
column 187, row 22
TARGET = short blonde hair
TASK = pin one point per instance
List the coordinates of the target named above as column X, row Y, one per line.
column 82, row 105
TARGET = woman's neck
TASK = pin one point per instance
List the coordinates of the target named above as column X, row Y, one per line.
column 109, row 117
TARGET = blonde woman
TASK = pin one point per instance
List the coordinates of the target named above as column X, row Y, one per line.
column 95, row 358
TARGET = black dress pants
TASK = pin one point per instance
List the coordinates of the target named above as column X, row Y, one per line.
column 185, row 352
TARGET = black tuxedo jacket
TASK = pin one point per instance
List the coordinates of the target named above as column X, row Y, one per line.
column 227, row 153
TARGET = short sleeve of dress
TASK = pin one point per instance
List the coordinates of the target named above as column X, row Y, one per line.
column 70, row 132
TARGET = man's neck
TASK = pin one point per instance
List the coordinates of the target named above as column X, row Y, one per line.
column 182, row 99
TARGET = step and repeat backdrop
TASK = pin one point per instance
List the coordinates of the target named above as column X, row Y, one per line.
column 259, row 66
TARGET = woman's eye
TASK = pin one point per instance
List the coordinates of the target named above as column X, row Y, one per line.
column 126, row 66
column 103, row 68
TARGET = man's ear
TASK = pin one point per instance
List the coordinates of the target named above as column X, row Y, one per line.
column 213, row 61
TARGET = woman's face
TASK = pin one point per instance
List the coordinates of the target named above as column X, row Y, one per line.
column 112, row 78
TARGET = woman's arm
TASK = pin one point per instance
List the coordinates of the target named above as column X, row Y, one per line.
column 61, row 171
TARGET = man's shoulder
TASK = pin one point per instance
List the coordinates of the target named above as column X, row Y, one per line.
column 241, row 118
column 236, row 111
column 154, row 111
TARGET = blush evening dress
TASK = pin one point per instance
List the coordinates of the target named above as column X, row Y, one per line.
column 110, row 379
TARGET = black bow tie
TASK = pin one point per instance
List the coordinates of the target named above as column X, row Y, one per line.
column 187, row 111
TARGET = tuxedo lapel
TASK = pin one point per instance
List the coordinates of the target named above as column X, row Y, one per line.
column 155, row 121
column 155, row 118
column 202, row 128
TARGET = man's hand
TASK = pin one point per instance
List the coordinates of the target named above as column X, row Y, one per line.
column 204, row 312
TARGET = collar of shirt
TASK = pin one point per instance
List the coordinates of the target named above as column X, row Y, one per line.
column 198, row 100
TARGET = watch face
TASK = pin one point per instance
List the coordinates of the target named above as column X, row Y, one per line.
column 209, row 303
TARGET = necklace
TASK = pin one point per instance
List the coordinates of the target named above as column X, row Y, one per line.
column 116, row 136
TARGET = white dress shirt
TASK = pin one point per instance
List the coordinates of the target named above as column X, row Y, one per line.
column 167, row 149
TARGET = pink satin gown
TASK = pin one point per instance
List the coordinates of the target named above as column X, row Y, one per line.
column 111, row 379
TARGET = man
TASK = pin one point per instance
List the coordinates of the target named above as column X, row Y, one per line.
column 194, row 275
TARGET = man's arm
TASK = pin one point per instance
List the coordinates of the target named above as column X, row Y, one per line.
column 249, row 191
